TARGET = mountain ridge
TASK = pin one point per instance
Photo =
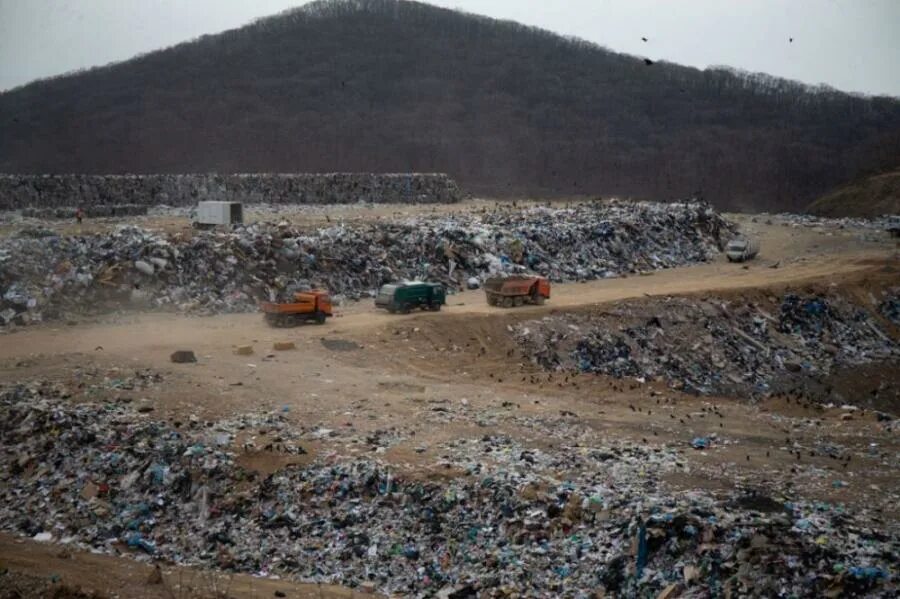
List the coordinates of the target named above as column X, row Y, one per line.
column 506, row 109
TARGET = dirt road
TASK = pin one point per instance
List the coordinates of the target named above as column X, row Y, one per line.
column 790, row 256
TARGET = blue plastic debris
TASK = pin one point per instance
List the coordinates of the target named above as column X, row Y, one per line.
column 700, row 443
column 642, row 552
column 137, row 541
column 867, row 572
column 803, row 524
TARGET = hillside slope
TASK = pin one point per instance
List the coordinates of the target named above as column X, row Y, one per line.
column 381, row 85
column 872, row 196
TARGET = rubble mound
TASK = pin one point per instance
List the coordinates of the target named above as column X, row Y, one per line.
column 103, row 477
column 890, row 306
column 714, row 345
column 210, row 272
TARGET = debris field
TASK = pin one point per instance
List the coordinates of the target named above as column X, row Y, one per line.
column 43, row 276
column 714, row 442
column 741, row 347
column 591, row 513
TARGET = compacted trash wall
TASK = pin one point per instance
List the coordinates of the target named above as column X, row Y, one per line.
column 51, row 191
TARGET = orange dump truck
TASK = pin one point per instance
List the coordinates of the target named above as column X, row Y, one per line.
column 516, row 290
column 314, row 305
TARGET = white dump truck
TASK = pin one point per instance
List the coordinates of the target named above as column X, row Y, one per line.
column 740, row 249
column 893, row 226
column 211, row 214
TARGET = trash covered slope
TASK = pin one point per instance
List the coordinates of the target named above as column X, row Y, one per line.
column 890, row 306
column 45, row 276
column 571, row 519
column 715, row 345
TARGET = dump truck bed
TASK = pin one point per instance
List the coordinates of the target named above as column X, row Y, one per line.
column 516, row 290
column 518, row 285
column 312, row 305
column 293, row 308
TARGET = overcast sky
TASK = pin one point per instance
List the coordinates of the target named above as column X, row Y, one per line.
column 853, row 45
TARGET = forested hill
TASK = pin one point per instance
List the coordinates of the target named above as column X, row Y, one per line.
column 381, row 85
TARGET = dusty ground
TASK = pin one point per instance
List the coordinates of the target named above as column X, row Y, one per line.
column 429, row 378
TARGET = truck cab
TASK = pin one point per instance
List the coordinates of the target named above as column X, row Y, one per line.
column 893, row 226
column 404, row 297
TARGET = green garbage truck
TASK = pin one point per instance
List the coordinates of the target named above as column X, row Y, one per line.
column 403, row 297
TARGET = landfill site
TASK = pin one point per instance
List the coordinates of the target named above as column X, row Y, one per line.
column 599, row 398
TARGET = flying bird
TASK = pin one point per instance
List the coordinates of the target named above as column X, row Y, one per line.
column 644, row 39
column 648, row 62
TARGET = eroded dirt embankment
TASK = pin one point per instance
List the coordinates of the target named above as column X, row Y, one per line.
column 823, row 339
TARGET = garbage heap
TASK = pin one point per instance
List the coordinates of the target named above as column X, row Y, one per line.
column 890, row 305
column 713, row 345
column 210, row 272
column 108, row 479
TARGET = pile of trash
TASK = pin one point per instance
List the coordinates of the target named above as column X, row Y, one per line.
column 712, row 345
column 212, row 272
column 106, row 478
column 890, row 305
column 826, row 224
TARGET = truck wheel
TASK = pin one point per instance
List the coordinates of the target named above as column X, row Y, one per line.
column 320, row 318
column 404, row 308
column 537, row 299
column 282, row 321
column 491, row 300
column 435, row 307
column 518, row 301
column 392, row 309
column 506, row 302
